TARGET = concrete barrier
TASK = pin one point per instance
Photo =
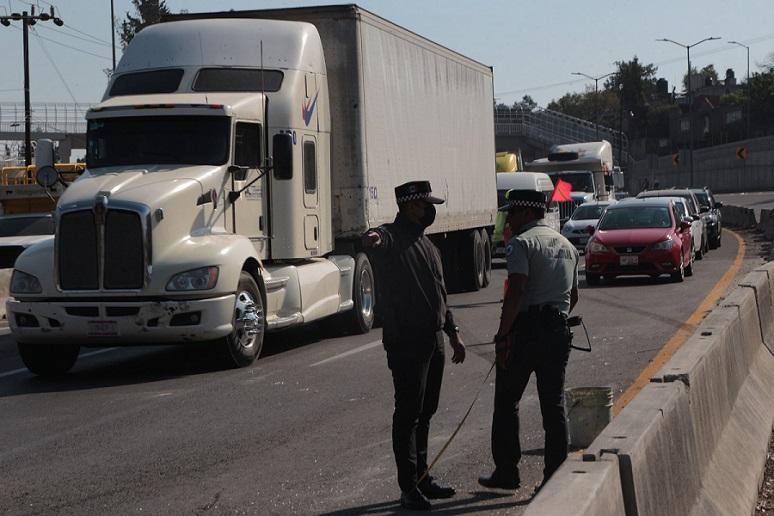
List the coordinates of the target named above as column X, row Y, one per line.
column 766, row 223
column 587, row 488
column 694, row 440
column 739, row 217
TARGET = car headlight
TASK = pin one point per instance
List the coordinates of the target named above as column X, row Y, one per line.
column 203, row 278
column 23, row 283
column 664, row 245
column 596, row 247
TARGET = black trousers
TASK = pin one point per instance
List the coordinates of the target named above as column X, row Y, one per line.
column 544, row 352
column 417, row 372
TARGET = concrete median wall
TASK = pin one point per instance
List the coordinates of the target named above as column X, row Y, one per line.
column 694, row 440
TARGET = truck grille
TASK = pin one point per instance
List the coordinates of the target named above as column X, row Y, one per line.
column 121, row 239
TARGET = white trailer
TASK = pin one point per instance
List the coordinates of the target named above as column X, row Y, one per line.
column 234, row 162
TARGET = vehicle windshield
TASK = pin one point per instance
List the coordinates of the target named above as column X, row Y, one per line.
column 633, row 217
column 588, row 212
column 580, row 181
column 703, row 199
column 162, row 140
column 26, row 226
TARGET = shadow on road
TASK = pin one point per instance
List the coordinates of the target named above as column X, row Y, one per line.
column 148, row 364
column 475, row 502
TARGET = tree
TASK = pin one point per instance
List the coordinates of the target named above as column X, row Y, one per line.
column 526, row 103
column 634, row 83
column 707, row 71
column 148, row 12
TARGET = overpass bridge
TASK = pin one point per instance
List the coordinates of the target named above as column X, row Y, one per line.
column 532, row 131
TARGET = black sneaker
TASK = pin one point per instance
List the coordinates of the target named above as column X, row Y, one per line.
column 414, row 501
column 431, row 490
column 498, row 481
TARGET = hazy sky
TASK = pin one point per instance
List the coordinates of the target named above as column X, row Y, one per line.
column 534, row 46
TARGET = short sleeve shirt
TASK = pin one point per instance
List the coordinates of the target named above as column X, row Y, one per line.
column 550, row 263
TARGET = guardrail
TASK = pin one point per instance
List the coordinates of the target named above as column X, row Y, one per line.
column 21, row 175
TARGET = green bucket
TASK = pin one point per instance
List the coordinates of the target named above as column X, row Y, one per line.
column 588, row 410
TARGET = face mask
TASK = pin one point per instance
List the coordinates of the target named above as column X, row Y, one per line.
column 429, row 216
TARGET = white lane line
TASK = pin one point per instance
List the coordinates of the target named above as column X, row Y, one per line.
column 82, row 355
column 347, row 353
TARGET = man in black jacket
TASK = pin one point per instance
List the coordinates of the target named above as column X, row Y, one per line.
column 415, row 316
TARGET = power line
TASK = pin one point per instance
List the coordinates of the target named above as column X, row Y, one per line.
column 87, row 34
column 68, row 46
column 53, row 64
column 91, row 41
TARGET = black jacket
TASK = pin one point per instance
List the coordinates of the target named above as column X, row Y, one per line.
column 412, row 301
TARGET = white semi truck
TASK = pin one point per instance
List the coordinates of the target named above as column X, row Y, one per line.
column 588, row 167
column 232, row 166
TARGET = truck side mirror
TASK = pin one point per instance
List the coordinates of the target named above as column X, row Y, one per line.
column 283, row 156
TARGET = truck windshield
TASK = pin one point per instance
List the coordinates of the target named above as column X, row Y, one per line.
column 162, row 140
column 580, row 181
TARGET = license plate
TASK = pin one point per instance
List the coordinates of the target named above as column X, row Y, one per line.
column 583, row 240
column 629, row 260
column 102, row 329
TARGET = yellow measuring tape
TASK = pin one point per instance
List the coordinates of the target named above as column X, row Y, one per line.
column 448, row 442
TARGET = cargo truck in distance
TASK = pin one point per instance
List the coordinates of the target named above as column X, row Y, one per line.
column 588, row 167
column 232, row 166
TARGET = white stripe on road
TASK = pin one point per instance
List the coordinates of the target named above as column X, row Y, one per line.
column 347, row 353
column 83, row 355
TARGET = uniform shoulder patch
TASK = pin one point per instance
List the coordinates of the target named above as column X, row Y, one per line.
column 508, row 249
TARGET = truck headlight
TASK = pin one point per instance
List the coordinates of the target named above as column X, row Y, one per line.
column 203, row 278
column 23, row 283
column 664, row 245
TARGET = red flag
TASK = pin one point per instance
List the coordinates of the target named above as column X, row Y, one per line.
column 562, row 191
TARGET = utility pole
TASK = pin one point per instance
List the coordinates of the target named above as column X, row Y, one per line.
column 28, row 19
column 596, row 99
column 690, row 96
column 113, row 34
column 749, row 91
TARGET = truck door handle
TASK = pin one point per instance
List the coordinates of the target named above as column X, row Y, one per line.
column 315, row 233
column 260, row 222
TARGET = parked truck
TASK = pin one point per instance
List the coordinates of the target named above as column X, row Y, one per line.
column 588, row 167
column 233, row 164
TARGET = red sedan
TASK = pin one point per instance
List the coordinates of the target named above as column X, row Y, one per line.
column 640, row 237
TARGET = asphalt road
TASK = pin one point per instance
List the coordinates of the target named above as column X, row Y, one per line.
column 306, row 430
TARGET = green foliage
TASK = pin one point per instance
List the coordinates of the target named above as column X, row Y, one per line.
column 526, row 103
column 147, row 13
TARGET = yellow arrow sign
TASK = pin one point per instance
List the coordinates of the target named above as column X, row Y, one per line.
column 741, row 153
column 676, row 158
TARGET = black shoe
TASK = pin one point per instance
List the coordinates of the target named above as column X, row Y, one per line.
column 414, row 501
column 431, row 490
column 497, row 481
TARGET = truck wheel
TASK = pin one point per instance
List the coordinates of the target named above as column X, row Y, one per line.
column 49, row 359
column 472, row 271
column 245, row 342
column 361, row 318
column 487, row 248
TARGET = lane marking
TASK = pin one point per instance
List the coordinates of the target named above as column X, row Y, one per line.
column 82, row 355
column 685, row 330
column 358, row 349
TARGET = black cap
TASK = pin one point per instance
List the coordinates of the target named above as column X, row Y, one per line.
column 523, row 199
column 416, row 190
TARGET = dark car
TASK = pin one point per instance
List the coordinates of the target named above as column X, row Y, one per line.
column 710, row 209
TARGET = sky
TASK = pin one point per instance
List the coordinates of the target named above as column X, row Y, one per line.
column 534, row 46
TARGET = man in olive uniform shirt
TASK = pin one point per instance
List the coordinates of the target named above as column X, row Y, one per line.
column 413, row 307
column 533, row 336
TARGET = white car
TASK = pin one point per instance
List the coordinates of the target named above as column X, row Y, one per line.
column 18, row 232
column 587, row 214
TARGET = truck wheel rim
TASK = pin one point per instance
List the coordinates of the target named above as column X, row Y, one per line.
column 248, row 320
column 366, row 294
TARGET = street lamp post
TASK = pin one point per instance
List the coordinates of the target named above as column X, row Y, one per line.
column 596, row 100
column 749, row 91
column 28, row 19
column 690, row 95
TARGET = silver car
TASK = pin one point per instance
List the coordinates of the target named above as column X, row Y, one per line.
column 585, row 215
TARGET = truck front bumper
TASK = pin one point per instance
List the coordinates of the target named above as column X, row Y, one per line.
column 116, row 323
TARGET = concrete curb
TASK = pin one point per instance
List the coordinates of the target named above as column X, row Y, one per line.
column 694, row 441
